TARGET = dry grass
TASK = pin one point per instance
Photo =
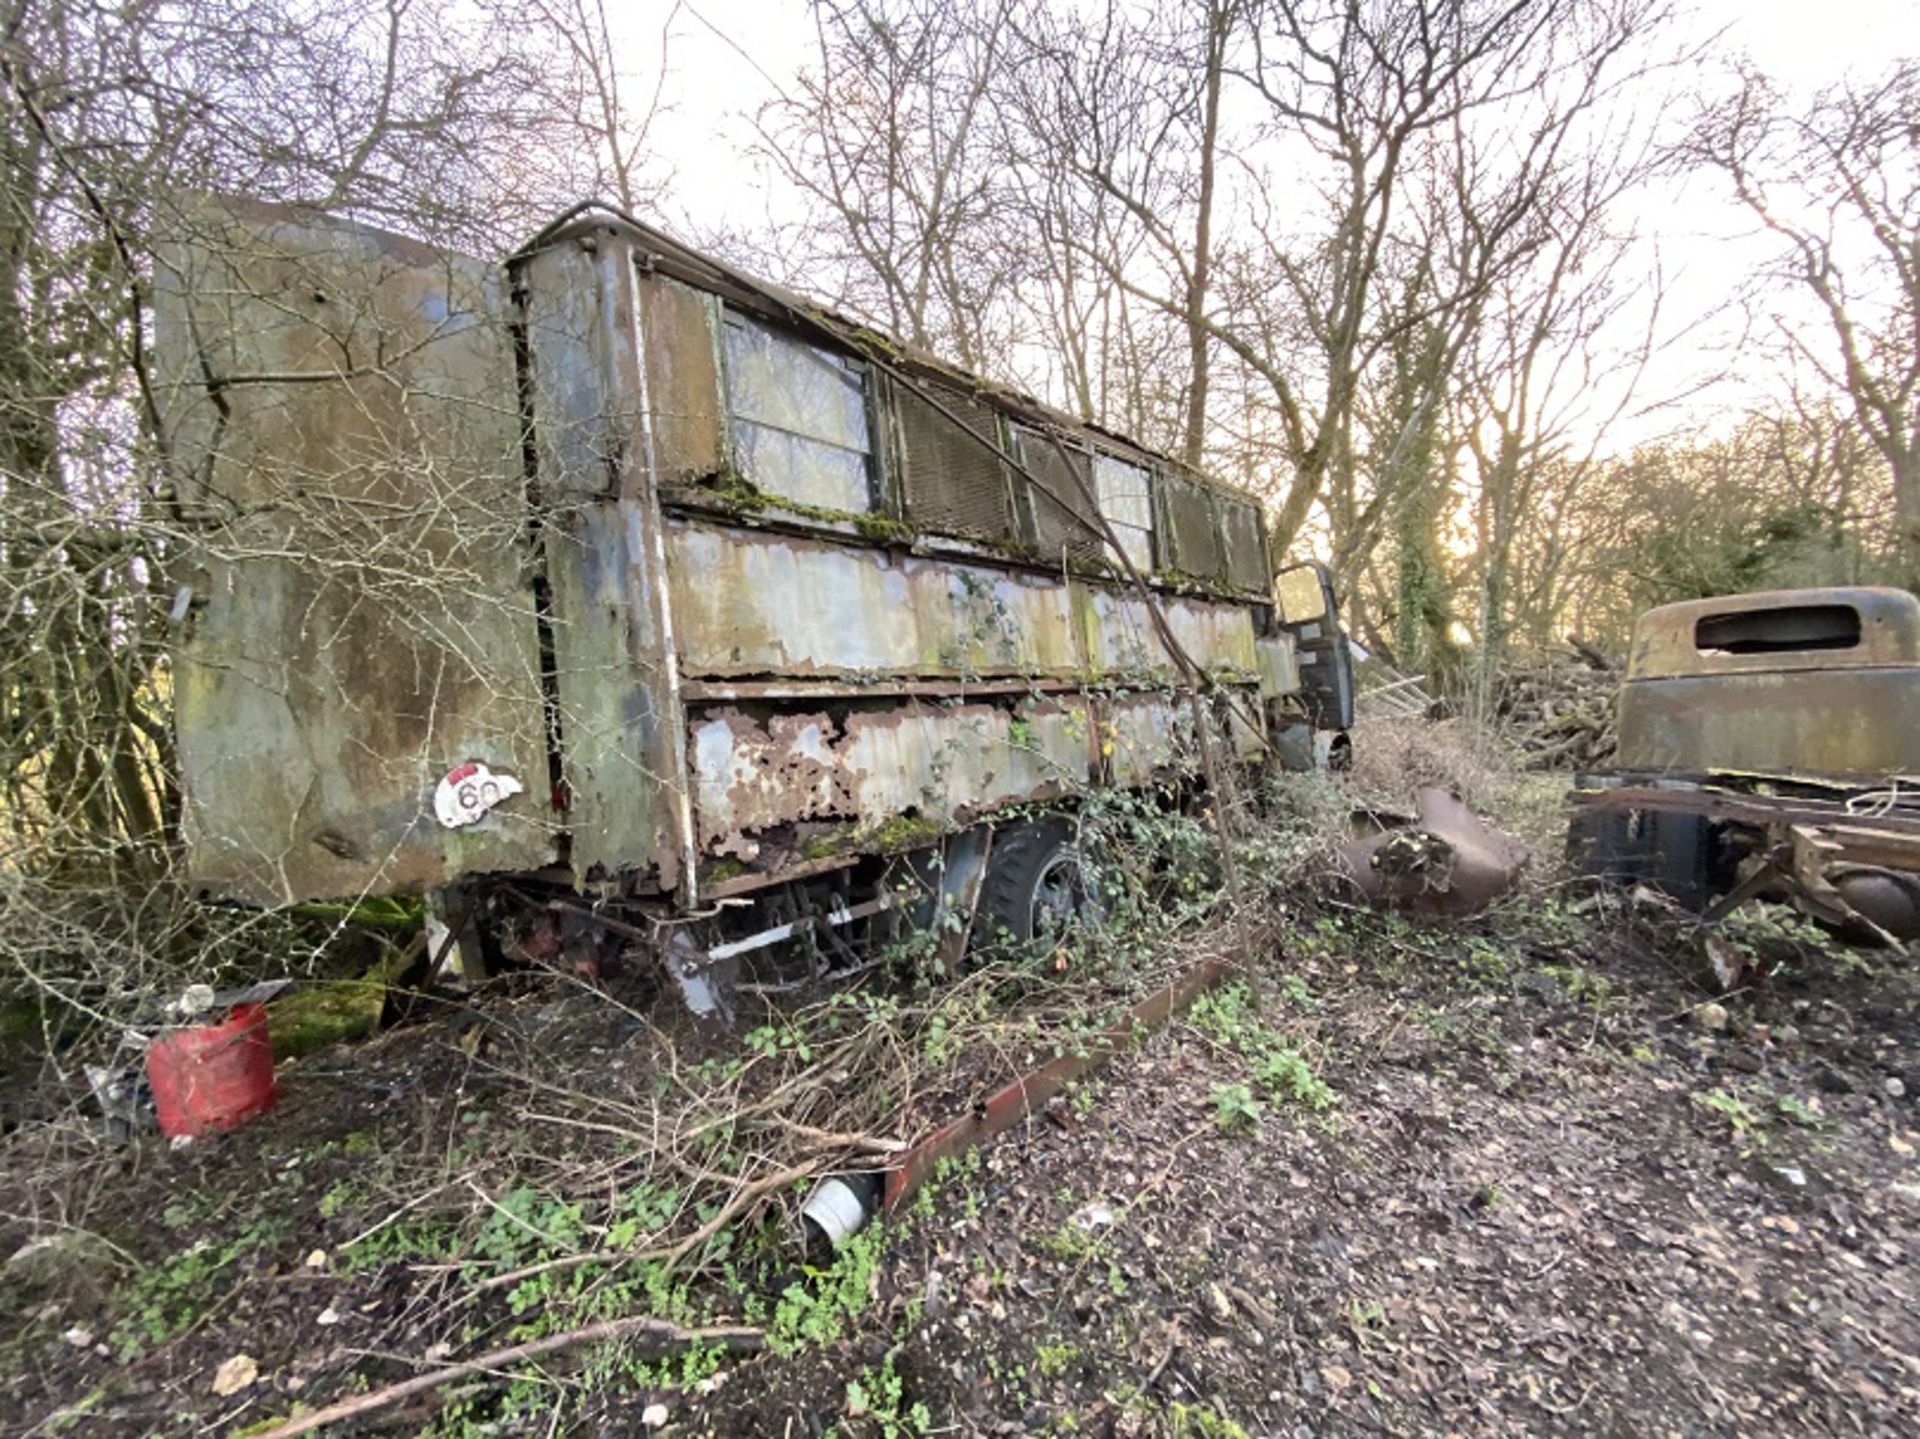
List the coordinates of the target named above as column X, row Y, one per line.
column 1394, row 757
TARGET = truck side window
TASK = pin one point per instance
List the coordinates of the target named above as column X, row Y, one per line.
column 1126, row 499
column 800, row 428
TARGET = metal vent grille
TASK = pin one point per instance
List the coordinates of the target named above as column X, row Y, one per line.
column 952, row 482
column 1051, row 527
column 1246, row 552
column 1196, row 539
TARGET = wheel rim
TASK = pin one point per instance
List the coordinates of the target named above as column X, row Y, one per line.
column 1060, row 898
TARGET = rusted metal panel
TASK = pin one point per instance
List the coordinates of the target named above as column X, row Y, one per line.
column 614, row 680
column 1789, row 681
column 1277, row 664
column 1668, row 641
column 1146, row 737
column 939, row 763
column 1446, row 861
column 1120, row 637
column 754, row 603
column 1245, row 723
column 1838, row 722
column 299, row 354
column 683, row 379
column 354, row 633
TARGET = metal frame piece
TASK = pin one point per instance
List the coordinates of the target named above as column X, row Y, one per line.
column 1011, row 1103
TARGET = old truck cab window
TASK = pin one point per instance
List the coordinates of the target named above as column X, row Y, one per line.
column 800, row 427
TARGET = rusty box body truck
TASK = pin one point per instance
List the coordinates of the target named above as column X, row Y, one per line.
column 611, row 595
column 1770, row 745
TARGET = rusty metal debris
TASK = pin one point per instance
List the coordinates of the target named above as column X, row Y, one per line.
column 1848, row 857
column 1444, row 861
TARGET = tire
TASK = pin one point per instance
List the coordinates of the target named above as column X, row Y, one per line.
column 1035, row 892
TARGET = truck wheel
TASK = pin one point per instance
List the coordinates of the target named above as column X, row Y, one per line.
column 1036, row 890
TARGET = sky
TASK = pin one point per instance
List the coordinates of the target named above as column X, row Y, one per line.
column 727, row 58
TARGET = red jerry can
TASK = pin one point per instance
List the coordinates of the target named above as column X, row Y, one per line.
column 214, row 1076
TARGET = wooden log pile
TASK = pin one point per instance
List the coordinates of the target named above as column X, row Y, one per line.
column 1559, row 710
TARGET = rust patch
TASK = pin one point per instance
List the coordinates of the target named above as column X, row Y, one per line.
column 930, row 765
column 683, row 380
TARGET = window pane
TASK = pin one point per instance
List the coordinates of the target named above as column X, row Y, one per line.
column 1126, row 499
column 799, row 417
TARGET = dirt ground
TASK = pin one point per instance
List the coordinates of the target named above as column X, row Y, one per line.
column 1537, row 1206
column 1524, row 1174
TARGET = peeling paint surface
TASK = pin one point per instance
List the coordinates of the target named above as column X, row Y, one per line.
column 1120, row 638
column 751, row 603
column 938, row 762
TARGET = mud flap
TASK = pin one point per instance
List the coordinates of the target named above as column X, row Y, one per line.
column 706, row 986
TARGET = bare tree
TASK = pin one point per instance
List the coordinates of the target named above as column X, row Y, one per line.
column 1552, row 363
column 887, row 138
column 444, row 120
column 599, row 98
column 1838, row 184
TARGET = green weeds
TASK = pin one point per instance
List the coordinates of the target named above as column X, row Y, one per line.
column 1277, row 1072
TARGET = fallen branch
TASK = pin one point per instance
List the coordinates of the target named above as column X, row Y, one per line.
column 734, row 1339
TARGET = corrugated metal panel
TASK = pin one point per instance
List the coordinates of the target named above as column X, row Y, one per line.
column 1191, row 526
column 683, row 379
column 800, row 426
column 1246, row 550
column 360, row 626
column 749, row 603
column 952, row 482
column 1052, row 522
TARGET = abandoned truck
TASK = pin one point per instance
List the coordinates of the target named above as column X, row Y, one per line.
column 611, row 595
column 1770, row 746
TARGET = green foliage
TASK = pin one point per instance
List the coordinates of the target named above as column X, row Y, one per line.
column 1793, row 1107
column 879, row 1397
column 166, row 1298
column 1740, row 1116
column 1053, row 1360
column 1278, row 1070
column 819, row 1311
column 1201, row 1421
column 1234, row 1107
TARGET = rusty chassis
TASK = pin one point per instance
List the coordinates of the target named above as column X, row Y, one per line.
column 1847, row 855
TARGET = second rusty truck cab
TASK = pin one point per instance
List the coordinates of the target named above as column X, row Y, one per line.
column 1770, row 743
